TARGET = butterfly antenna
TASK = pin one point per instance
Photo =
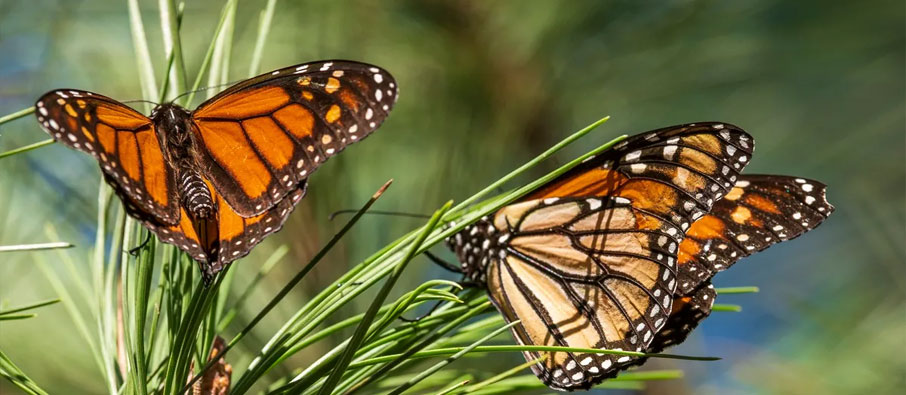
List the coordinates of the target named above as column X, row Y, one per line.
column 231, row 83
column 200, row 90
column 378, row 212
column 443, row 263
column 423, row 316
column 141, row 101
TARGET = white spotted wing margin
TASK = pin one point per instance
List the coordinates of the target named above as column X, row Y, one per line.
column 760, row 211
column 586, row 273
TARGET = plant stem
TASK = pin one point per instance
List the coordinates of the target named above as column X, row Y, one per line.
column 26, row 148
column 36, row 247
column 16, row 115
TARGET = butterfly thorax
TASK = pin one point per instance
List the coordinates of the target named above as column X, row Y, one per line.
column 476, row 246
column 174, row 124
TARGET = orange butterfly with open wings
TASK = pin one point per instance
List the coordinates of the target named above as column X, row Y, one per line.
column 215, row 181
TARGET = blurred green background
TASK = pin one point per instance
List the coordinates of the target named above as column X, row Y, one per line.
column 484, row 87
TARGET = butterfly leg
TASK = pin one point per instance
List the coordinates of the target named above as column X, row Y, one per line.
column 134, row 250
column 442, row 263
column 423, row 316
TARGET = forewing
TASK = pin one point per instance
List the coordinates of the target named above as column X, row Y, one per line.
column 676, row 172
column 591, row 273
column 760, row 211
column 125, row 144
column 262, row 137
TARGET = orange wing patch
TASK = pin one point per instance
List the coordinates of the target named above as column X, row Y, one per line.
column 154, row 167
column 296, row 119
column 270, row 141
column 107, row 136
column 120, row 116
column 230, row 148
column 125, row 144
column 246, row 104
column 128, row 154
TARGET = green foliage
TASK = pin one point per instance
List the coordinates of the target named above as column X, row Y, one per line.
column 138, row 323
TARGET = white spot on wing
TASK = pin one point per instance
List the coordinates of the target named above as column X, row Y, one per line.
column 633, row 156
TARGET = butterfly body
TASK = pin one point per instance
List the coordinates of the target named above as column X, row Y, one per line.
column 216, row 180
column 176, row 131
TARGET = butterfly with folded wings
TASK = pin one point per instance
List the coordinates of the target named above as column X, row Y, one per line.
column 618, row 252
column 217, row 180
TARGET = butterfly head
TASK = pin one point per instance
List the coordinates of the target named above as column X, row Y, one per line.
column 171, row 119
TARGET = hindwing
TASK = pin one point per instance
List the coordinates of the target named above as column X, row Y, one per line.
column 589, row 273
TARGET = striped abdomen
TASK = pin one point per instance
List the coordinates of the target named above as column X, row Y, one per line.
column 196, row 197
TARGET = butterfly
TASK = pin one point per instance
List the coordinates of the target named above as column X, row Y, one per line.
column 216, row 180
column 592, row 259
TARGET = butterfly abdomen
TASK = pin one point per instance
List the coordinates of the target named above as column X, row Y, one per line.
column 196, row 197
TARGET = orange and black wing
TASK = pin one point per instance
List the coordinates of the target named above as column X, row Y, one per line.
column 261, row 138
column 764, row 210
column 589, row 260
column 125, row 144
column 230, row 237
column 688, row 311
column 677, row 172
column 760, row 211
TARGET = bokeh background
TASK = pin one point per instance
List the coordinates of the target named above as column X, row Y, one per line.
column 488, row 85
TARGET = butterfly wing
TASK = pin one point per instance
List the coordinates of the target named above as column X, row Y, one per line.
column 589, row 259
column 688, row 311
column 229, row 238
column 261, row 138
column 589, row 273
column 768, row 209
column 677, row 172
column 760, row 211
column 125, row 144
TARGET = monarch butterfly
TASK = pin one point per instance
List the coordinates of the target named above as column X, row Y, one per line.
column 215, row 181
column 594, row 258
